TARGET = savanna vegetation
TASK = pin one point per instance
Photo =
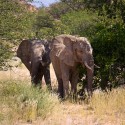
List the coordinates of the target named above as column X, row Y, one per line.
column 102, row 22
column 19, row 101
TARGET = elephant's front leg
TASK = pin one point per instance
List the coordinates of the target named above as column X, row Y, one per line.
column 39, row 78
column 65, row 78
column 34, row 73
column 47, row 77
column 74, row 81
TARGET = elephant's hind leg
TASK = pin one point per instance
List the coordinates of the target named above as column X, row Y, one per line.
column 36, row 77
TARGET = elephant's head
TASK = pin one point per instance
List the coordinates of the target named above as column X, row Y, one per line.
column 71, row 49
column 37, row 51
column 83, row 52
column 40, row 52
column 32, row 51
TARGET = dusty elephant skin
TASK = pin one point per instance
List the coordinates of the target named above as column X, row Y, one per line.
column 35, row 56
column 66, row 53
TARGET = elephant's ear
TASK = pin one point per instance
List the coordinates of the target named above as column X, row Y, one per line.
column 65, row 51
column 24, row 49
column 23, row 52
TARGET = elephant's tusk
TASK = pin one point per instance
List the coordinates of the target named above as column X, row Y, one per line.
column 96, row 66
column 87, row 66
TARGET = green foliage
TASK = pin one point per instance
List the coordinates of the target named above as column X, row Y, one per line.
column 47, row 26
column 5, row 51
column 109, row 51
column 75, row 4
column 80, row 22
column 109, row 8
column 44, row 23
column 15, row 23
column 58, row 9
column 60, row 28
column 44, row 19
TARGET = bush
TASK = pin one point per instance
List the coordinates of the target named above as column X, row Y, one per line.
column 80, row 23
column 109, row 52
column 109, row 104
column 21, row 101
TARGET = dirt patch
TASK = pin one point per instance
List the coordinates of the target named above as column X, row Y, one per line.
column 15, row 73
column 21, row 73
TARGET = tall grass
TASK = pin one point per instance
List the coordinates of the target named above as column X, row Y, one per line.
column 19, row 101
column 110, row 105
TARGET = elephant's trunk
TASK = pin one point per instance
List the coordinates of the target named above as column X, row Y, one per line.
column 41, row 61
column 90, row 70
column 89, row 81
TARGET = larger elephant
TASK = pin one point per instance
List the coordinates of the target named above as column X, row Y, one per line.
column 35, row 56
column 67, row 52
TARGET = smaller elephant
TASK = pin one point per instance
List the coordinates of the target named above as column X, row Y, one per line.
column 67, row 52
column 35, row 56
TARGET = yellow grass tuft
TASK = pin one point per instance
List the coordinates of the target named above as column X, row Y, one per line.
column 19, row 101
column 110, row 105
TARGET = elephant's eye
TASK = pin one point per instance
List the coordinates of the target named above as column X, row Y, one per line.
column 80, row 51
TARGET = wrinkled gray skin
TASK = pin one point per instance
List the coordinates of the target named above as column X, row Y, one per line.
column 35, row 56
column 67, row 52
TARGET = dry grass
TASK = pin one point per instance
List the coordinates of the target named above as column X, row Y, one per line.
column 103, row 109
column 21, row 103
column 110, row 106
column 45, row 109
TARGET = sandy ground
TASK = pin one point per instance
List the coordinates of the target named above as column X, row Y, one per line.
column 22, row 74
column 15, row 73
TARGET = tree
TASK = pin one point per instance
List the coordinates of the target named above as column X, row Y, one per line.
column 15, row 24
column 58, row 9
column 109, row 8
column 47, row 26
column 15, row 20
column 109, row 52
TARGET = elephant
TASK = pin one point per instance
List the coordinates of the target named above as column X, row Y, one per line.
column 67, row 52
column 34, row 54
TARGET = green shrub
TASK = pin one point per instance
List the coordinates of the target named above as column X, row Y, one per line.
column 24, row 102
column 109, row 51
